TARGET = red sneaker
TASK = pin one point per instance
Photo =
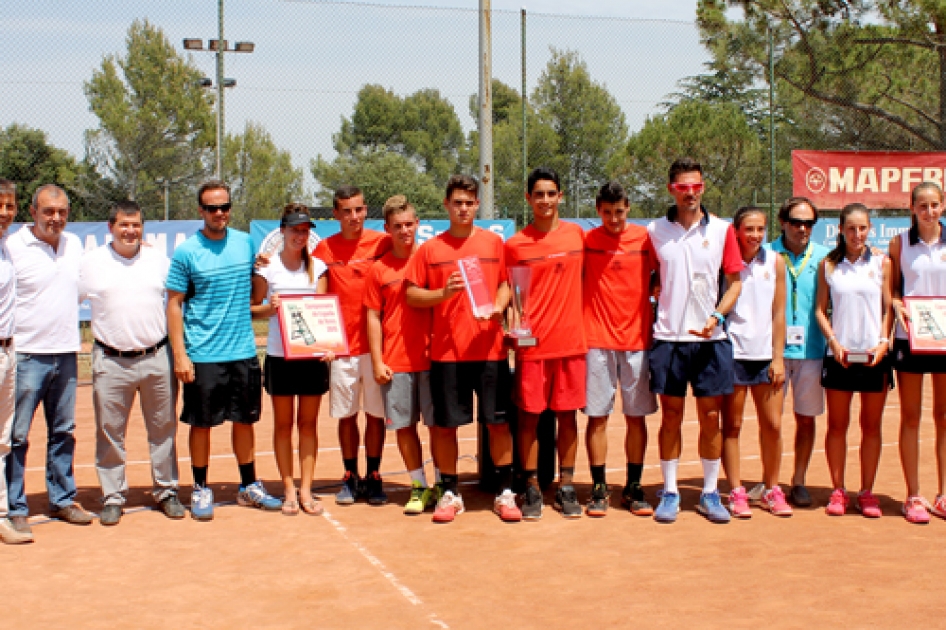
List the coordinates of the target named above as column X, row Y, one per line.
column 505, row 506
column 837, row 504
column 774, row 501
column 448, row 508
column 739, row 503
column 868, row 505
column 914, row 510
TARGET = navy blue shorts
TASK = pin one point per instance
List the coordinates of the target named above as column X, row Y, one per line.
column 747, row 373
column 906, row 361
column 707, row 366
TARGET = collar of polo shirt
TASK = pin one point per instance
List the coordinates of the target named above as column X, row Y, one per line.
column 914, row 234
column 672, row 214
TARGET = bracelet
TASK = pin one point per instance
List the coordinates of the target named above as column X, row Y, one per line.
column 884, row 340
column 719, row 317
column 833, row 337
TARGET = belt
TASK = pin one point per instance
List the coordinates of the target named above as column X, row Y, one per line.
column 6, row 343
column 131, row 354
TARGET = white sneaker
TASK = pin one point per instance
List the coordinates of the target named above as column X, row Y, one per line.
column 448, row 507
column 11, row 536
column 755, row 495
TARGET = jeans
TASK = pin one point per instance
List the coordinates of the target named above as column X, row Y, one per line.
column 49, row 379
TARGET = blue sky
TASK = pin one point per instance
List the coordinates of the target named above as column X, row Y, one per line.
column 312, row 57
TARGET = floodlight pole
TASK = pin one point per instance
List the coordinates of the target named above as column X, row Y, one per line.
column 220, row 116
column 486, row 112
column 525, row 135
column 771, row 132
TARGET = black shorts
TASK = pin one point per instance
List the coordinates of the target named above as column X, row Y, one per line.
column 748, row 373
column 905, row 361
column 303, row 377
column 452, row 386
column 856, row 378
column 223, row 391
column 707, row 366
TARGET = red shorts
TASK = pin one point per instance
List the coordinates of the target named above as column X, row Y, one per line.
column 556, row 384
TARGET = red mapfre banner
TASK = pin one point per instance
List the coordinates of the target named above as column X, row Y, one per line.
column 833, row 179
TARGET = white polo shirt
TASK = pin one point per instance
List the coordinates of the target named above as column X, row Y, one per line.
column 857, row 301
column 922, row 267
column 127, row 296
column 690, row 264
column 47, row 293
column 750, row 322
column 7, row 292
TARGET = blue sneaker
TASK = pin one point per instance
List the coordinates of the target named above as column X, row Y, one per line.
column 668, row 508
column 349, row 491
column 255, row 495
column 712, row 508
column 202, row 504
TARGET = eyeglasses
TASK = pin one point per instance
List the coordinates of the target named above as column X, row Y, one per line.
column 224, row 207
column 687, row 188
column 800, row 223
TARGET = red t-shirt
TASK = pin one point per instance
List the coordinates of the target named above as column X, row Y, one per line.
column 348, row 262
column 616, row 288
column 553, row 305
column 456, row 335
column 406, row 330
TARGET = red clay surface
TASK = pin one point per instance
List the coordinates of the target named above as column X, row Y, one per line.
column 364, row 567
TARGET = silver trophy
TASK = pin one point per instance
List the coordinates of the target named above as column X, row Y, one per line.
column 520, row 333
column 699, row 305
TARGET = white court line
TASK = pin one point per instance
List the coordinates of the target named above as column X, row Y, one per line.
column 385, row 573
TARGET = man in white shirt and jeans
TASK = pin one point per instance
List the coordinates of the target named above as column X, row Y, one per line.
column 46, row 260
column 124, row 283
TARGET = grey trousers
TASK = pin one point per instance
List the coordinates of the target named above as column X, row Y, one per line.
column 115, row 381
column 7, row 387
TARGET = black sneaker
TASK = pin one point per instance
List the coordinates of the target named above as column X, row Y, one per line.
column 800, row 497
column 171, row 507
column 600, row 500
column 634, row 500
column 566, row 502
column 531, row 504
column 111, row 514
column 373, row 490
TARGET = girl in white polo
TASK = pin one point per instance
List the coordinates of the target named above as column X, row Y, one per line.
column 853, row 281
column 757, row 331
column 918, row 264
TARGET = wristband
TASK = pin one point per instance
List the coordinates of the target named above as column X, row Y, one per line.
column 884, row 340
column 831, row 339
column 719, row 317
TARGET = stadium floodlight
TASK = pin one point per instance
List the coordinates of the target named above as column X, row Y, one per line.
column 193, row 44
column 212, row 45
column 244, row 47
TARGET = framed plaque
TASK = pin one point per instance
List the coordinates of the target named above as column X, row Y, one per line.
column 927, row 326
column 311, row 325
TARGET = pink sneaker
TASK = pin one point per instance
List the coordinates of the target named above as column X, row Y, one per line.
column 837, row 504
column 448, row 507
column 774, row 501
column 867, row 504
column 914, row 510
column 939, row 506
column 739, row 503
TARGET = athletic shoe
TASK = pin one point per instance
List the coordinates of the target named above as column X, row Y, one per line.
column 867, row 504
column 668, row 508
column 739, row 503
column 171, row 507
column 634, row 499
column 600, row 499
column 202, row 504
column 448, row 508
column 9, row 535
column 110, row 515
column 711, row 506
column 755, row 494
column 374, row 490
column 566, row 502
column 939, row 506
column 531, row 503
column 837, row 504
column 914, row 510
column 505, row 506
column 800, row 497
column 774, row 501
column 255, row 495
column 420, row 497
column 349, row 491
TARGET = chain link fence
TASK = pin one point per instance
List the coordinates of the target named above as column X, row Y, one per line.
column 103, row 99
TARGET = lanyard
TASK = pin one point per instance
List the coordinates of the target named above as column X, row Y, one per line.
column 795, row 272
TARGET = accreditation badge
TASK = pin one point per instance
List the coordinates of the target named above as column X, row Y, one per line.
column 795, row 335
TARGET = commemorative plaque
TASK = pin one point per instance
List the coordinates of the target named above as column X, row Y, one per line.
column 311, row 326
column 927, row 326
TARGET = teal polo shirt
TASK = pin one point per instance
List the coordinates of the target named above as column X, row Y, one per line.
column 800, row 311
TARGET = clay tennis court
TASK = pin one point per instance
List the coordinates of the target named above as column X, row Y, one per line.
column 365, row 567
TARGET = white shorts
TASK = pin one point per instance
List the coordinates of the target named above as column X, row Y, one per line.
column 631, row 370
column 352, row 388
column 804, row 375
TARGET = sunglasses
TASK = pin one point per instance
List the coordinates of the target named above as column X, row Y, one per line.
column 800, row 223
column 687, row 188
column 224, row 207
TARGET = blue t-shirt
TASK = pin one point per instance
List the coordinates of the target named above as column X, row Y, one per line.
column 800, row 310
column 216, row 278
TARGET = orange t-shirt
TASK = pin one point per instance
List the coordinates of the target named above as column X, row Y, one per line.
column 386, row 292
column 456, row 335
column 348, row 262
column 553, row 305
column 618, row 314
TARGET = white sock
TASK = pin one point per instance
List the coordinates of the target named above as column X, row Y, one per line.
column 419, row 476
column 710, row 474
column 669, row 469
